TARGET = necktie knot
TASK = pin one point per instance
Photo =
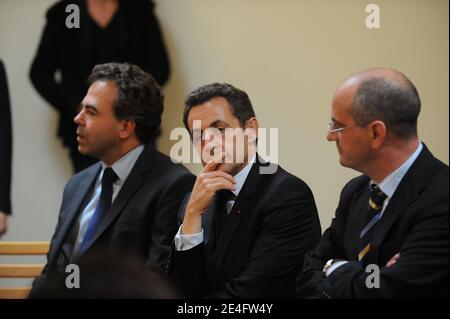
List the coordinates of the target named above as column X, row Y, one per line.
column 109, row 176
column 221, row 212
column 224, row 195
column 377, row 197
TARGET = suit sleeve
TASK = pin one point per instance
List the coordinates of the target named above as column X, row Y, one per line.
column 5, row 144
column 157, row 63
column 187, row 268
column 165, row 223
column 329, row 247
column 47, row 62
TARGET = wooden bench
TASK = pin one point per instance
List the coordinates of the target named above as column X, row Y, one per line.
column 9, row 270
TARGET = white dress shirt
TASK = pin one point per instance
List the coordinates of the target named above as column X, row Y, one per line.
column 122, row 167
column 185, row 242
column 388, row 185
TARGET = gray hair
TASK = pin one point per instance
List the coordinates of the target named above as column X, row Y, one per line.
column 396, row 104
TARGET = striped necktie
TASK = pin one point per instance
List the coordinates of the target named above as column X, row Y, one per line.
column 376, row 201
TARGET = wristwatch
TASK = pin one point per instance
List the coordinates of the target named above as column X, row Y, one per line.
column 328, row 264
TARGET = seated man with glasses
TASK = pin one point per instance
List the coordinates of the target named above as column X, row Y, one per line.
column 390, row 235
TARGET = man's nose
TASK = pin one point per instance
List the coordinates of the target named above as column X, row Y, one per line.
column 212, row 148
column 78, row 118
column 331, row 137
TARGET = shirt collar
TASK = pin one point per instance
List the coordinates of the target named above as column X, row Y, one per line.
column 391, row 182
column 242, row 176
column 123, row 166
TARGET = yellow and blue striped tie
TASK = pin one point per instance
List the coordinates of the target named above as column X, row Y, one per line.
column 376, row 200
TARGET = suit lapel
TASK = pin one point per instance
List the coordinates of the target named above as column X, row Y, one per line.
column 76, row 204
column 408, row 190
column 129, row 188
column 355, row 222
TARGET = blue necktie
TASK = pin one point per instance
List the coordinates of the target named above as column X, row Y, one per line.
column 103, row 206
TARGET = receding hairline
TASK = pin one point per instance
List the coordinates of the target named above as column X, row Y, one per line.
column 352, row 84
column 392, row 76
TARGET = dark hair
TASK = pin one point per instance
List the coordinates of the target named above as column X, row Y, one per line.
column 396, row 104
column 239, row 101
column 139, row 96
column 105, row 275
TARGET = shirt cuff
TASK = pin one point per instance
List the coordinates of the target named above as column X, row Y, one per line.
column 185, row 242
column 335, row 266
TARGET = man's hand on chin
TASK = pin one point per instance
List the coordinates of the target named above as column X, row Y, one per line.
column 208, row 182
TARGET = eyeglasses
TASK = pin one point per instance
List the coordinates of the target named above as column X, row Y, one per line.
column 333, row 129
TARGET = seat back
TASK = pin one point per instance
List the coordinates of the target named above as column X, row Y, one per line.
column 14, row 270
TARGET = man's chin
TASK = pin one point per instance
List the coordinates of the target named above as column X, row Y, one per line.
column 223, row 167
column 343, row 162
column 347, row 164
column 230, row 168
column 82, row 150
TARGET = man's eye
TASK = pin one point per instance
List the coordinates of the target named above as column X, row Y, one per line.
column 335, row 126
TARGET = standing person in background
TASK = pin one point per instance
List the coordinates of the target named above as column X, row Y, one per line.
column 110, row 31
column 5, row 152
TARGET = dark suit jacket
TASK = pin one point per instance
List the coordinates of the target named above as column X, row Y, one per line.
column 260, row 251
column 415, row 223
column 5, row 144
column 71, row 52
column 142, row 220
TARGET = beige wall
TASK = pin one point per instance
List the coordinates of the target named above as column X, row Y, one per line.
column 289, row 55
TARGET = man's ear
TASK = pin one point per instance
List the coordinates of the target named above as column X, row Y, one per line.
column 251, row 129
column 127, row 128
column 378, row 131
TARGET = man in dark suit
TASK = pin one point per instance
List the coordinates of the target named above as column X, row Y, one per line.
column 244, row 233
column 5, row 152
column 127, row 204
column 109, row 31
column 390, row 235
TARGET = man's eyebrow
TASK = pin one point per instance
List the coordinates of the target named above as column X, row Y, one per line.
column 335, row 121
column 90, row 107
column 212, row 125
column 217, row 122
